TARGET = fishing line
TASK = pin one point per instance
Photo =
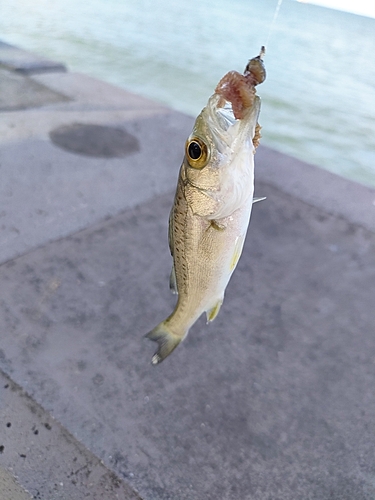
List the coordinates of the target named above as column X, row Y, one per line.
column 272, row 25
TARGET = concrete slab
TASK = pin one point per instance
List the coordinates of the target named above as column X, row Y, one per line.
column 275, row 399
column 45, row 458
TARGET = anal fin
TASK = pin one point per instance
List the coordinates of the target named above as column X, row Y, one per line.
column 214, row 311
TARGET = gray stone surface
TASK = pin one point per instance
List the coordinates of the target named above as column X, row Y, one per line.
column 274, row 400
column 45, row 457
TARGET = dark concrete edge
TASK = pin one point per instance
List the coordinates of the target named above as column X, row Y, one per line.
column 53, row 96
column 317, row 187
column 30, row 64
column 109, row 480
column 5, row 45
column 40, row 67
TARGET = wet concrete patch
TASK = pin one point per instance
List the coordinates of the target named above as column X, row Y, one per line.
column 95, row 140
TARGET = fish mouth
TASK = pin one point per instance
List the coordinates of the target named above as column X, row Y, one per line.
column 226, row 129
column 238, row 90
column 231, row 114
column 225, row 112
column 235, row 105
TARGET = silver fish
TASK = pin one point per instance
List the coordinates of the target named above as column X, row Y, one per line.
column 212, row 206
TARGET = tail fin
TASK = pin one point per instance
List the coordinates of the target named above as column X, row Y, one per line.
column 167, row 342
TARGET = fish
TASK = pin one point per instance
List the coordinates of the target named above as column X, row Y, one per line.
column 210, row 215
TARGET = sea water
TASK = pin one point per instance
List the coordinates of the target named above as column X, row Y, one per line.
column 318, row 102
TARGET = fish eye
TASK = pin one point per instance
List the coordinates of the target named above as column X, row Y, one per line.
column 196, row 153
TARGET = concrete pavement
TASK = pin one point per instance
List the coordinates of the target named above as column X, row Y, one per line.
column 274, row 400
column 45, row 458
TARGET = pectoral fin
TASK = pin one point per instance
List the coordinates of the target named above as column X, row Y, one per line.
column 217, row 225
column 214, row 311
